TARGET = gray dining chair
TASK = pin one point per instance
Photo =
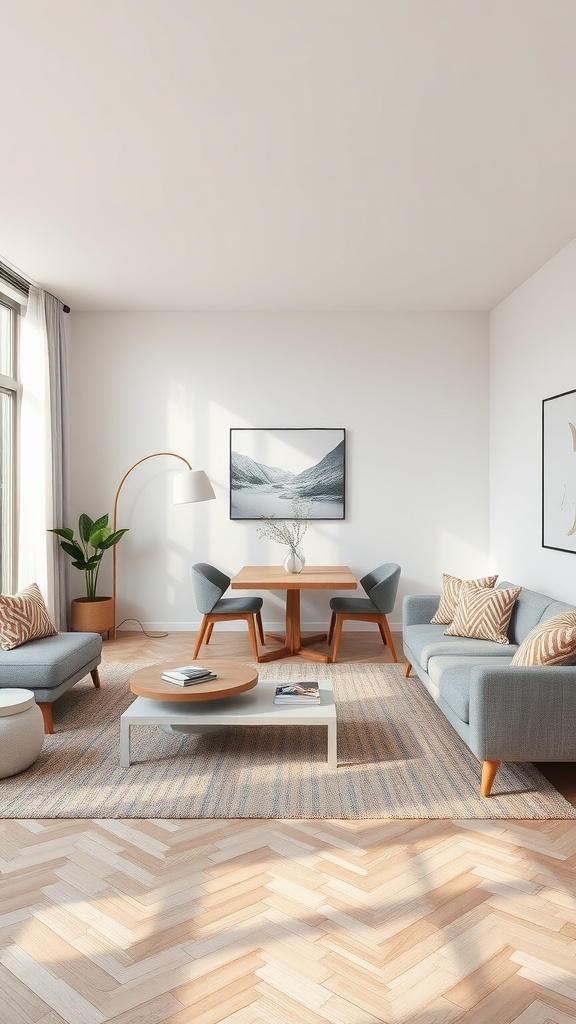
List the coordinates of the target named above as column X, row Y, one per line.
column 381, row 586
column 209, row 585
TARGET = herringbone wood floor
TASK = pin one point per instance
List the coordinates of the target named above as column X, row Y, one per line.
column 287, row 922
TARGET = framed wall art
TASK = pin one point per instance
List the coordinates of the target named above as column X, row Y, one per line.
column 559, row 472
column 287, row 472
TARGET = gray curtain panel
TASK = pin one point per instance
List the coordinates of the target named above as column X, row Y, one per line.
column 58, row 383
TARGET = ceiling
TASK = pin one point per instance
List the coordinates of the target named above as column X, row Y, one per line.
column 340, row 155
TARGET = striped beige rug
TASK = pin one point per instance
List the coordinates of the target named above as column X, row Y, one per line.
column 398, row 758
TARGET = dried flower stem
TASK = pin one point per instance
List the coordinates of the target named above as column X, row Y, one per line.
column 286, row 532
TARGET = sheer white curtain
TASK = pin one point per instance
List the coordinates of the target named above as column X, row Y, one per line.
column 43, row 457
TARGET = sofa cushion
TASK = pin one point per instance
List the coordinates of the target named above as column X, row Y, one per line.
column 426, row 641
column 530, row 609
column 552, row 642
column 451, row 587
column 483, row 614
column 451, row 677
column 48, row 662
column 23, row 617
column 557, row 608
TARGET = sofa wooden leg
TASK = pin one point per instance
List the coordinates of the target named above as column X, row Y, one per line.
column 46, row 710
column 407, row 670
column 95, row 678
column 489, row 769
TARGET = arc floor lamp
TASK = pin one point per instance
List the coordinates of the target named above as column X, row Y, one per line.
column 191, row 485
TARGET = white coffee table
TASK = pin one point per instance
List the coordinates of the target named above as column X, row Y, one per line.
column 253, row 707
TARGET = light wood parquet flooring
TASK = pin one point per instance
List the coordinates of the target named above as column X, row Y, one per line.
column 285, row 922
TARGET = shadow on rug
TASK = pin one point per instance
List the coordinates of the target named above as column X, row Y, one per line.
column 397, row 758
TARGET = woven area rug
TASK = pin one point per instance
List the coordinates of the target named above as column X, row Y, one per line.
column 397, row 758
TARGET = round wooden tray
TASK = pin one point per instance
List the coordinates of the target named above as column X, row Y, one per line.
column 233, row 677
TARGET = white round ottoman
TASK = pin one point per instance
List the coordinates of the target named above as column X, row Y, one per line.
column 21, row 731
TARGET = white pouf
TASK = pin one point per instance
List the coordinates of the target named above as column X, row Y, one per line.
column 21, row 731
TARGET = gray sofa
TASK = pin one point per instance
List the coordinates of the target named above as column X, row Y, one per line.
column 503, row 712
column 50, row 666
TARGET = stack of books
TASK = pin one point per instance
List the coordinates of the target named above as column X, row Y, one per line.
column 297, row 693
column 188, row 674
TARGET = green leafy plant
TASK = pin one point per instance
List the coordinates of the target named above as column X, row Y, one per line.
column 95, row 537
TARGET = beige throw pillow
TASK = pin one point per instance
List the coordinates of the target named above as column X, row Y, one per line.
column 23, row 617
column 552, row 642
column 451, row 587
column 483, row 614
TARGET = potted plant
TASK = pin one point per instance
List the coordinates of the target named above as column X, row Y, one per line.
column 90, row 614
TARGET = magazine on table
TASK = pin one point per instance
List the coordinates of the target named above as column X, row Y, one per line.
column 188, row 674
column 297, row 693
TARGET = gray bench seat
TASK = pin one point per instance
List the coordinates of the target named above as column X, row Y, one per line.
column 50, row 666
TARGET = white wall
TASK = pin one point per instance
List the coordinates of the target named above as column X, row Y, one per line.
column 533, row 357
column 410, row 389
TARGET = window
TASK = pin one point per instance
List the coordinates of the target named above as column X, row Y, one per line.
column 9, row 393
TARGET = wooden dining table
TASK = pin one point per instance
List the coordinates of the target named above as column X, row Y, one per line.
column 312, row 577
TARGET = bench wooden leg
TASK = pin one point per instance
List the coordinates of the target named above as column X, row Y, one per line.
column 46, row 710
column 489, row 769
column 95, row 678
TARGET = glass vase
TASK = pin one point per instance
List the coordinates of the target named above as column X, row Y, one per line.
column 294, row 561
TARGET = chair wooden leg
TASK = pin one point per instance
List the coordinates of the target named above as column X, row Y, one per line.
column 253, row 640
column 489, row 769
column 383, row 634
column 407, row 670
column 337, row 635
column 46, row 710
column 203, row 627
column 260, row 627
column 389, row 639
column 331, row 629
column 208, row 636
column 95, row 678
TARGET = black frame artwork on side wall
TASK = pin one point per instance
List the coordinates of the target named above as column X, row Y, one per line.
column 287, row 473
column 559, row 472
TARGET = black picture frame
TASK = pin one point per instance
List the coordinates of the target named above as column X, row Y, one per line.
column 288, row 473
column 559, row 472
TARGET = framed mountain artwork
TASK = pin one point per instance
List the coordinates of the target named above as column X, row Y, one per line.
column 287, row 472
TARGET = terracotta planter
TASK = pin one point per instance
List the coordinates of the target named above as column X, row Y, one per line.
column 92, row 615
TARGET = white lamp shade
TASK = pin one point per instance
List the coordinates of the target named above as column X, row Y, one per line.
column 193, row 485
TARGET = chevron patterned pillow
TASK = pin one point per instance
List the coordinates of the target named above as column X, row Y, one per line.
column 23, row 617
column 451, row 587
column 552, row 642
column 483, row 614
